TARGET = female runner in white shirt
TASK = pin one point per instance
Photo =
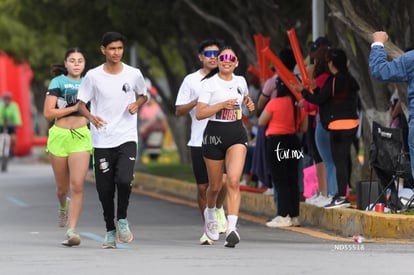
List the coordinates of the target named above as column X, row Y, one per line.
column 225, row 139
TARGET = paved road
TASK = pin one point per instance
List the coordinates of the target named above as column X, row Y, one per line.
column 166, row 239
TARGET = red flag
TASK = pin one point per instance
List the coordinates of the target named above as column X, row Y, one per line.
column 287, row 77
column 299, row 57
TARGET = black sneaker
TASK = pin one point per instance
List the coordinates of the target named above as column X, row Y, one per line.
column 232, row 239
column 337, row 202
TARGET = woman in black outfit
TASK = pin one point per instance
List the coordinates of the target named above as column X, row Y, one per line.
column 337, row 102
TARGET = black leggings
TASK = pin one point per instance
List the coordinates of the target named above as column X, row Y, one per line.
column 283, row 154
column 341, row 141
column 313, row 151
column 114, row 168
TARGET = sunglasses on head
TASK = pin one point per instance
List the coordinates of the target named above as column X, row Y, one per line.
column 227, row 57
column 210, row 53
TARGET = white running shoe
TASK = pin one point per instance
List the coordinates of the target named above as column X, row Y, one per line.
column 269, row 192
column 312, row 199
column 71, row 239
column 210, row 227
column 280, row 221
column 322, row 201
column 295, row 221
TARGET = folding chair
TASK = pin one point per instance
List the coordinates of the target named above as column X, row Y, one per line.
column 390, row 163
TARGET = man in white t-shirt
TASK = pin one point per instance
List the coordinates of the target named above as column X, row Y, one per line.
column 115, row 91
column 185, row 104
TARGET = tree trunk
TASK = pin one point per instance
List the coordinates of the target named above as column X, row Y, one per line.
column 356, row 39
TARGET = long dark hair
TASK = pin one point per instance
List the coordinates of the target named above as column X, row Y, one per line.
column 321, row 61
column 339, row 60
column 59, row 68
column 288, row 59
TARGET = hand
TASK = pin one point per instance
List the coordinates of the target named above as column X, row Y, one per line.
column 298, row 87
column 133, row 108
column 380, row 37
column 248, row 102
column 76, row 107
column 229, row 104
column 98, row 122
column 300, row 103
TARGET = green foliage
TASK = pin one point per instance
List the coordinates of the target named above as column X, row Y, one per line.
column 25, row 43
column 172, row 58
column 167, row 165
column 167, row 33
column 170, row 170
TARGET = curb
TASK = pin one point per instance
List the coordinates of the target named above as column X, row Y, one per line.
column 343, row 222
column 348, row 222
column 252, row 203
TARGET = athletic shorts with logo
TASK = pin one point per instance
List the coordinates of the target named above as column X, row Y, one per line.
column 219, row 136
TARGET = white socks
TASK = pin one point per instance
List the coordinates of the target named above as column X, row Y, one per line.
column 232, row 219
column 211, row 214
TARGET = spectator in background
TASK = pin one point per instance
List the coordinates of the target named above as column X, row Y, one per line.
column 10, row 119
column 338, row 100
column 397, row 117
column 400, row 69
column 327, row 183
column 248, row 175
column 150, row 118
column 283, row 120
column 259, row 163
column 249, row 120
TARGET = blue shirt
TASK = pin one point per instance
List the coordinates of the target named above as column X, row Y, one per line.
column 400, row 69
column 66, row 91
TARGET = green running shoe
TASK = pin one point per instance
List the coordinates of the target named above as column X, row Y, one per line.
column 124, row 234
column 109, row 241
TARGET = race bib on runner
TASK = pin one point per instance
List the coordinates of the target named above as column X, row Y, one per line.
column 229, row 114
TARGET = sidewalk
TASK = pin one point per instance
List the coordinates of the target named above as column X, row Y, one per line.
column 344, row 222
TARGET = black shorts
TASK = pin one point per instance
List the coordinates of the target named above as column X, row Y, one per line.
column 219, row 136
column 199, row 166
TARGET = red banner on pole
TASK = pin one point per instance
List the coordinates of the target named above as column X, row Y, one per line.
column 264, row 70
column 283, row 72
column 299, row 57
